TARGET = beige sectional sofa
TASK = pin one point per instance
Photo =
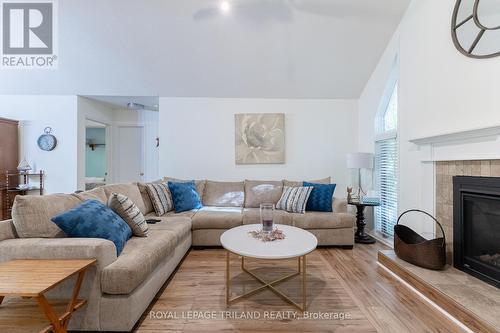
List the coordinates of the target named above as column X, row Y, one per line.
column 119, row 289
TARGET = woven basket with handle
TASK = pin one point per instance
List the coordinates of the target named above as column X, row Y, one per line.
column 417, row 250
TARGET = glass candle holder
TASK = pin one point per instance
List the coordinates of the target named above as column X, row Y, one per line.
column 267, row 217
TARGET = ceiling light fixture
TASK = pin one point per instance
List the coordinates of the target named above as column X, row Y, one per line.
column 134, row 106
column 138, row 106
column 225, row 6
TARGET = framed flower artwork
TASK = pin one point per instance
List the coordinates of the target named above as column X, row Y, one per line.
column 260, row 138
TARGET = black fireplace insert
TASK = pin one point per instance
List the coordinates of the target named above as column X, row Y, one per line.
column 476, row 227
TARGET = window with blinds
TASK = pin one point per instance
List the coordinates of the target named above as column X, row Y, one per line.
column 386, row 169
column 386, row 157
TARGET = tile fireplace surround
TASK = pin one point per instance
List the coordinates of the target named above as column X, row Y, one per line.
column 444, row 190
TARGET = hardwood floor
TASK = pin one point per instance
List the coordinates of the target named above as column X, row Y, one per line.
column 346, row 283
column 22, row 315
column 341, row 282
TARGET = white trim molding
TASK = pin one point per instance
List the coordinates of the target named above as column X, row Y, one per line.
column 474, row 144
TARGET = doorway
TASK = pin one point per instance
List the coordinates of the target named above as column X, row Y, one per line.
column 96, row 154
column 131, row 140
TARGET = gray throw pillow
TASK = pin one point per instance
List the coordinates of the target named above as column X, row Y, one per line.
column 294, row 199
column 160, row 198
column 130, row 213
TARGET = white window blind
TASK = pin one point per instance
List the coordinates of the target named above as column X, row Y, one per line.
column 386, row 169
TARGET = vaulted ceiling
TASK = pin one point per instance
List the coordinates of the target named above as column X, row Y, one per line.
column 214, row 48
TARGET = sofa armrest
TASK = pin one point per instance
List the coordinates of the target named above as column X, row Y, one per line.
column 339, row 205
column 7, row 230
column 59, row 248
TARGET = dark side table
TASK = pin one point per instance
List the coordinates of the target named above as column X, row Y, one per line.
column 361, row 236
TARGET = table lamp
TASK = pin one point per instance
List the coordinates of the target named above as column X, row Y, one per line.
column 360, row 161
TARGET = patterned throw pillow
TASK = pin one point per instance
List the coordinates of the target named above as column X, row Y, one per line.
column 184, row 196
column 321, row 197
column 130, row 213
column 93, row 219
column 160, row 198
column 294, row 199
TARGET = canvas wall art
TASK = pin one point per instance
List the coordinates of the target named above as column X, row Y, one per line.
column 260, row 138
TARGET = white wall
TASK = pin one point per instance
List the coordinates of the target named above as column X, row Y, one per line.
column 440, row 91
column 104, row 113
column 369, row 102
column 36, row 113
column 197, row 138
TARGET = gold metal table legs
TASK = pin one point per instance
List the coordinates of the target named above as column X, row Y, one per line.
column 301, row 271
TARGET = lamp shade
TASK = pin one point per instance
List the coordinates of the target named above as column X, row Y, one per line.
column 360, row 161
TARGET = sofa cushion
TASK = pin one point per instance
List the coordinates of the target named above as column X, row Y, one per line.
column 179, row 225
column 148, row 205
column 31, row 214
column 94, row 194
column 131, row 190
column 321, row 198
column 189, row 213
column 323, row 220
column 200, row 184
column 7, row 230
column 93, row 219
column 160, row 198
column 139, row 258
column 184, row 196
column 294, row 199
column 294, row 183
column 257, row 192
column 129, row 212
column 217, row 218
column 224, row 194
column 59, row 248
column 252, row 216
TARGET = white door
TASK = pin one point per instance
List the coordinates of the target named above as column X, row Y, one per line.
column 130, row 167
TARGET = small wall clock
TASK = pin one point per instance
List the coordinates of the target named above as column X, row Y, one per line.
column 47, row 141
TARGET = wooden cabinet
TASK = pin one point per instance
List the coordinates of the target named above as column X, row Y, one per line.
column 9, row 158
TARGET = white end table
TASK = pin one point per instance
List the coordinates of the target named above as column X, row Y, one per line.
column 297, row 244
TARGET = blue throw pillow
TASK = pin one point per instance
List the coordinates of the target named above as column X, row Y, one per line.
column 184, row 196
column 92, row 219
column 321, row 197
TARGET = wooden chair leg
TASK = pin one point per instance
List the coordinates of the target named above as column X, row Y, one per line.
column 50, row 314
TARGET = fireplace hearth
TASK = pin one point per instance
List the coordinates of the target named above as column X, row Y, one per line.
column 476, row 227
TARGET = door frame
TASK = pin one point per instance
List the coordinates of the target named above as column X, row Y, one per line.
column 142, row 126
column 109, row 148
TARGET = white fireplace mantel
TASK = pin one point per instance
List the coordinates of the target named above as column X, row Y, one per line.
column 475, row 144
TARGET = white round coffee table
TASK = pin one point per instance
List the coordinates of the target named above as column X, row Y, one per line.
column 297, row 244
